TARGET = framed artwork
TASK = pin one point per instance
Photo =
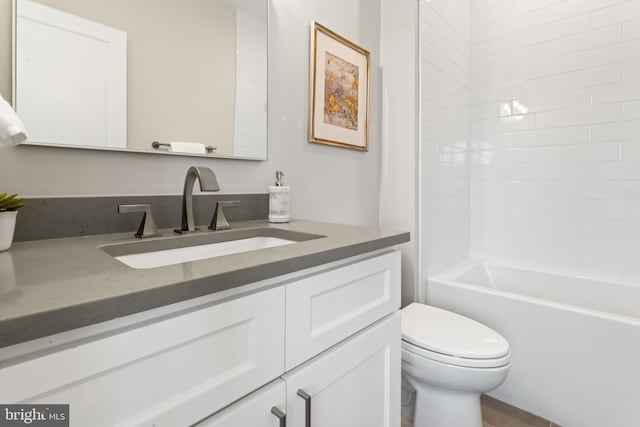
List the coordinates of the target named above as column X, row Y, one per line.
column 339, row 111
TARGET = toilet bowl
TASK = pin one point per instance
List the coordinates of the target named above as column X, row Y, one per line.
column 450, row 360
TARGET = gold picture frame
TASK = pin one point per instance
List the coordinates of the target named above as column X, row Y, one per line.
column 340, row 87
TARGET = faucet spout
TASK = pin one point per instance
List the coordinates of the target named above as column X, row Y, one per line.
column 206, row 177
column 208, row 182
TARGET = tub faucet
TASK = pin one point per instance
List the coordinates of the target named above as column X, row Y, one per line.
column 208, row 182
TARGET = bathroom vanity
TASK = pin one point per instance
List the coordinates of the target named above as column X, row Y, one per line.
column 303, row 334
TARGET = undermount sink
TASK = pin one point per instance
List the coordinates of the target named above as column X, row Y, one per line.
column 194, row 253
column 199, row 246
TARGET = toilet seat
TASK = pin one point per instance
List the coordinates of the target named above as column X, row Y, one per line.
column 450, row 338
column 457, row 361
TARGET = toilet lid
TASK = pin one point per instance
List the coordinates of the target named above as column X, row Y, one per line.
column 449, row 333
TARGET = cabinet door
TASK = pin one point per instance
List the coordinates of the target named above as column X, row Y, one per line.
column 263, row 408
column 355, row 384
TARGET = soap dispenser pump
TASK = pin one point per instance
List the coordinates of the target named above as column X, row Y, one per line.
column 279, row 200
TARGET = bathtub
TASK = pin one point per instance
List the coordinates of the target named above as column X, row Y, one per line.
column 575, row 342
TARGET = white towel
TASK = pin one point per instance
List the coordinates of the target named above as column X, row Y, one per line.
column 188, row 147
column 11, row 128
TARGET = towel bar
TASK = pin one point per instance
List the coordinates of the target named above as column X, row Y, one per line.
column 157, row 145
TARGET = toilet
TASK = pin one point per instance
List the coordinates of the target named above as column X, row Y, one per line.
column 450, row 360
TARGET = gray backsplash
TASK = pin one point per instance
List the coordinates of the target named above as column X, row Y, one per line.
column 50, row 218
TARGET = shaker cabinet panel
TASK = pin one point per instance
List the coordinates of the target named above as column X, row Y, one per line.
column 171, row 372
column 262, row 408
column 354, row 384
column 328, row 307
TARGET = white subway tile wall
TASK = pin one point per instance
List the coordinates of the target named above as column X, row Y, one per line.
column 445, row 102
column 554, row 135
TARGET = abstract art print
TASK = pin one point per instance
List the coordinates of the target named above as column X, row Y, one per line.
column 339, row 91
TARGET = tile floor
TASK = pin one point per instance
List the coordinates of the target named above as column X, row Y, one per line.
column 499, row 414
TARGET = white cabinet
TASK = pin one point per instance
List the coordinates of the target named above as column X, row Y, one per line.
column 354, row 384
column 334, row 331
column 262, row 408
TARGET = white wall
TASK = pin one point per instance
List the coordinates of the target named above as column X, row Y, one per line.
column 399, row 183
column 328, row 183
column 445, row 89
column 556, row 133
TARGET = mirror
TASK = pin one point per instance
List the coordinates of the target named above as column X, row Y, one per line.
column 121, row 75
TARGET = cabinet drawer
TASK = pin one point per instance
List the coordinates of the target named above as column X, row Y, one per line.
column 253, row 410
column 171, row 372
column 328, row 307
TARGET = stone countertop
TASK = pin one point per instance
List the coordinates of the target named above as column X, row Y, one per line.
column 52, row 286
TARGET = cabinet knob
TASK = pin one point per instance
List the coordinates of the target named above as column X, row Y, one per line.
column 281, row 416
column 307, row 407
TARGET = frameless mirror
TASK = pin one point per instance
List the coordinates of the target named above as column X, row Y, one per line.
column 190, row 76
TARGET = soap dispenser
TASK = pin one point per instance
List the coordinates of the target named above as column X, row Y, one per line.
column 279, row 200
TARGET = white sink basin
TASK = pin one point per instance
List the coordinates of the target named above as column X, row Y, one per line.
column 194, row 253
column 176, row 249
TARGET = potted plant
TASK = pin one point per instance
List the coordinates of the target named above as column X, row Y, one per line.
column 9, row 206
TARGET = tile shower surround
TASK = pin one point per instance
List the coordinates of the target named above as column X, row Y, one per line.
column 551, row 158
column 445, row 46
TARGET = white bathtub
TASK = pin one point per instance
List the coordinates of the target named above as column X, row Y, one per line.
column 575, row 342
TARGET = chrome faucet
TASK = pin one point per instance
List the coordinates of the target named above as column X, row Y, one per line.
column 208, row 182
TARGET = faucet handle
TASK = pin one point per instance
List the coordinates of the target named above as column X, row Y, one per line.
column 219, row 221
column 147, row 226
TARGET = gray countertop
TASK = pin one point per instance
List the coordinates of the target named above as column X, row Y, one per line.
column 51, row 286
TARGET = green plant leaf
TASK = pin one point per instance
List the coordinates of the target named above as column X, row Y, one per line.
column 10, row 203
